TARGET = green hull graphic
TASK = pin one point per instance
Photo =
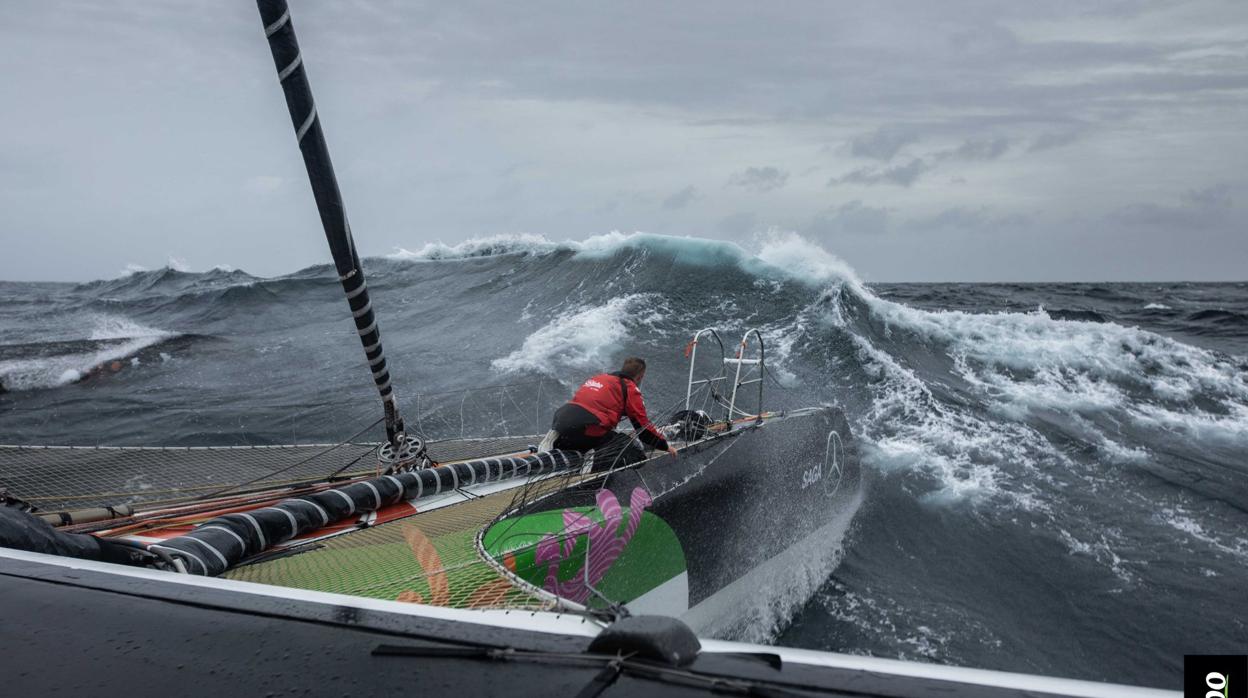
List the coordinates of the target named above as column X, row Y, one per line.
column 652, row 557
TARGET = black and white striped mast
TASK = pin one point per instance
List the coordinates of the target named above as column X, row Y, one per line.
column 401, row 449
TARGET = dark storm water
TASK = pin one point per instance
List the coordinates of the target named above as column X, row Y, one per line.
column 1058, row 473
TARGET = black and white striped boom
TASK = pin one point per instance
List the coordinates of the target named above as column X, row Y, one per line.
column 293, row 76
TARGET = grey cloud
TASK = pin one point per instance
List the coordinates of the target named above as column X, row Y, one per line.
column 900, row 175
column 760, row 179
column 966, row 219
column 1053, row 139
column 726, row 64
column 1196, row 209
column 426, row 103
column 882, row 144
column 681, row 198
column 981, row 149
column 851, row 218
column 738, row 223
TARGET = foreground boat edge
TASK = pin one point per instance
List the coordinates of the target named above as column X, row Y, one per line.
column 288, row 608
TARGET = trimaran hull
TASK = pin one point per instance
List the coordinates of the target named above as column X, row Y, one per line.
column 684, row 530
column 132, row 631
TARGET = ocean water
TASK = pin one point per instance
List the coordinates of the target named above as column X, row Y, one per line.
column 1057, row 473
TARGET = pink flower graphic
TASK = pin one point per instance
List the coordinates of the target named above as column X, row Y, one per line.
column 604, row 546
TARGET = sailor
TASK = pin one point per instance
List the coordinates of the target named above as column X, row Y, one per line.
column 589, row 419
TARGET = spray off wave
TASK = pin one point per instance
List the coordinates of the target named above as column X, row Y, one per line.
column 65, row 361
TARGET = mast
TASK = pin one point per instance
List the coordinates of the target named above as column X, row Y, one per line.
column 293, row 77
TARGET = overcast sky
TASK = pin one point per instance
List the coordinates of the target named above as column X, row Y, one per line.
column 953, row 140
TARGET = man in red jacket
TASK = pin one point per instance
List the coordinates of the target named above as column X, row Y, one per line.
column 589, row 419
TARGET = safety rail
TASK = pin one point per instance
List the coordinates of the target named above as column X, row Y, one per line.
column 740, row 360
column 692, row 352
column 739, row 379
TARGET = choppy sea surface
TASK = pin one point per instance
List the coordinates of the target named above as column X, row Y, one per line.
column 1057, row 473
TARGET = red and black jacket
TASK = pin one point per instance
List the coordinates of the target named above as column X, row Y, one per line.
column 603, row 400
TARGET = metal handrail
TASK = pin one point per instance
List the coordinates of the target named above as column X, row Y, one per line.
column 693, row 355
column 740, row 360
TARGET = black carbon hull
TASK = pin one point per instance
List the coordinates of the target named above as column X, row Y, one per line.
column 136, row 632
column 709, row 519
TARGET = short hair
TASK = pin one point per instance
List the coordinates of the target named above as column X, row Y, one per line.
column 633, row 367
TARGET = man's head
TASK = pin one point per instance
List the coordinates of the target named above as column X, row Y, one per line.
column 635, row 368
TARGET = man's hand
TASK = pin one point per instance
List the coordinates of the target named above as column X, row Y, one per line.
column 671, row 451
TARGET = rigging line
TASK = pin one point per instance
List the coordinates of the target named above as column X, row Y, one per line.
column 279, row 471
column 349, row 463
column 483, row 388
column 770, row 374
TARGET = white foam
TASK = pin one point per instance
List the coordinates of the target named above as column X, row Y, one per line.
column 880, row 617
column 584, row 337
column 1025, row 362
column 125, row 338
column 518, row 243
column 969, row 456
column 1180, row 519
column 1100, row 551
column 799, row 258
column 117, row 327
column 755, row 607
column 1156, row 306
column 776, row 254
column 1230, row 428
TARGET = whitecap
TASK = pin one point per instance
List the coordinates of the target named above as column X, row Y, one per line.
column 121, row 336
column 584, row 337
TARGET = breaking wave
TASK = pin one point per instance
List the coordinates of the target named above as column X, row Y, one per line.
column 582, row 337
column 50, row 364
